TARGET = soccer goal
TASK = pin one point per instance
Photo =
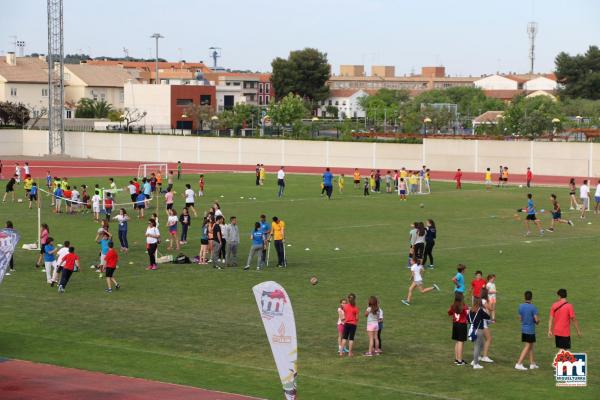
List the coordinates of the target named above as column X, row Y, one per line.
column 423, row 186
column 145, row 170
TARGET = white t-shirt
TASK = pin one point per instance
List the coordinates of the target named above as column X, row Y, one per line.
column 172, row 220
column 26, row 169
column 121, row 219
column 218, row 212
column 61, row 254
column 189, row 196
column 96, row 201
column 597, row 191
column 152, row 231
column 18, row 170
column 372, row 318
column 491, row 287
column 132, row 189
column 584, row 191
column 74, row 195
column 416, row 270
column 280, row 174
column 113, row 186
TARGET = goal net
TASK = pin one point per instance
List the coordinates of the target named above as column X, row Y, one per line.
column 145, row 170
column 421, row 186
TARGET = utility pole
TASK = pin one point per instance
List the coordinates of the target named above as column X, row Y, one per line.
column 532, row 29
column 157, row 36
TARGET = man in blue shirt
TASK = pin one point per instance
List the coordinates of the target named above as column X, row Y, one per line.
column 328, row 182
column 528, row 314
column 531, row 216
column 265, row 228
column 459, row 279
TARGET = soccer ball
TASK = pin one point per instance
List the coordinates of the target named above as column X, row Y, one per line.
column 521, row 186
column 314, row 280
column 19, row 200
column 421, row 205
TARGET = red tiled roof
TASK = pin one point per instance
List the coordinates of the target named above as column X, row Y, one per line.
column 488, row 117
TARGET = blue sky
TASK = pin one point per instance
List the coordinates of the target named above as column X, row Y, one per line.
column 467, row 36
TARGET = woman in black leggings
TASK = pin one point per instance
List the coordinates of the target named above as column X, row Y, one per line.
column 429, row 242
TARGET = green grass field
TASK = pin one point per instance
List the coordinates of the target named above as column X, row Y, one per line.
column 196, row 326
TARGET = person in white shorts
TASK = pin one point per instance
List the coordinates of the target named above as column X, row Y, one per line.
column 597, row 198
column 60, row 255
column 416, row 271
column 584, row 196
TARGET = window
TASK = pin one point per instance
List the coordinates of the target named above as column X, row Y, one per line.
column 122, row 96
column 184, row 102
column 267, row 87
column 68, row 116
column 260, row 100
column 205, row 99
column 260, row 88
column 330, row 102
column 267, row 99
column 44, row 92
column 236, row 83
column 13, row 91
column 337, row 103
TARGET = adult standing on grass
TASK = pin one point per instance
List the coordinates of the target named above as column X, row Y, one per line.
column 278, row 235
column 179, row 169
column 459, row 311
column 459, row 279
column 477, row 317
column 257, row 172
column 430, row 237
column 328, row 182
column 123, row 218
column 528, row 314
column 280, row 181
column 233, row 241
column 217, row 237
column 256, row 249
column 152, row 238
column 584, row 196
column 266, row 231
column 562, row 315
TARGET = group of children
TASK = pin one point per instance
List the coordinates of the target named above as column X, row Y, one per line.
column 401, row 181
column 348, row 315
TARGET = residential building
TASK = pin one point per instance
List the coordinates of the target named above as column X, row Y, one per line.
column 145, row 71
column 352, row 77
column 166, row 106
column 346, row 101
column 255, row 88
column 96, row 82
column 24, row 80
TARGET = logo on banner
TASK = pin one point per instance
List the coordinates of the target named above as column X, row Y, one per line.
column 281, row 337
column 8, row 241
column 570, row 369
column 272, row 303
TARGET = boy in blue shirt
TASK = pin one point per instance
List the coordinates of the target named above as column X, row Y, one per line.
column 530, row 210
column 528, row 314
column 459, row 279
column 33, row 195
column 104, row 246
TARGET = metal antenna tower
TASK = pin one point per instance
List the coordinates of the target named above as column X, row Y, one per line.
column 532, row 29
column 215, row 53
column 21, row 47
column 56, row 84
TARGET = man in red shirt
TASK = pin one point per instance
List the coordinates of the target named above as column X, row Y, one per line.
column 559, row 324
column 70, row 264
column 529, row 177
column 457, row 178
column 477, row 284
column 110, row 264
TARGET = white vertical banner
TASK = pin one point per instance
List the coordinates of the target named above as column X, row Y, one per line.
column 276, row 312
column 8, row 243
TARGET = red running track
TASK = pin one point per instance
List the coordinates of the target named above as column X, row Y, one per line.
column 23, row 380
column 125, row 168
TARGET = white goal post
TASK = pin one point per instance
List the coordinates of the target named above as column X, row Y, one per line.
column 423, row 186
column 145, row 170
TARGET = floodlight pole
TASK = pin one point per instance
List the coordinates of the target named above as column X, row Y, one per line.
column 157, row 36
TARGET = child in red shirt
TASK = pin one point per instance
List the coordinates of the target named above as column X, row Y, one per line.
column 350, row 322
column 477, row 284
column 529, row 177
column 201, row 184
column 108, row 205
column 110, row 265
column 457, row 178
column 70, row 265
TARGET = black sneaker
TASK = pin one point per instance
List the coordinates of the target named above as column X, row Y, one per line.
column 117, row 286
column 456, row 361
column 461, row 362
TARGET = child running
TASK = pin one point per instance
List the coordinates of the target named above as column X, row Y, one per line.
column 350, row 322
column 372, row 314
column 416, row 272
column 530, row 210
column 70, row 265
column 556, row 214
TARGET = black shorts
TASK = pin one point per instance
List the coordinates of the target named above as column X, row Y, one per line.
column 204, row 241
column 356, row 182
column 169, row 206
column 562, row 342
column 531, row 217
column 556, row 216
column 349, row 331
column 109, row 272
column 189, row 205
column 528, row 337
column 133, row 197
column 9, row 189
column 33, row 197
column 459, row 332
column 43, row 247
column 571, row 193
column 147, row 196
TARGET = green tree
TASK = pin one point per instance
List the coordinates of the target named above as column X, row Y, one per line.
column 579, row 74
column 288, row 111
column 239, row 116
column 303, row 73
column 531, row 116
column 90, row 108
column 14, row 113
column 332, row 111
column 200, row 114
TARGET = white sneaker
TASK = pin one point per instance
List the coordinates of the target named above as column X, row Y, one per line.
column 477, row 366
column 520, row 367
column 533, row 366
column 473, row 363
column 486, row 359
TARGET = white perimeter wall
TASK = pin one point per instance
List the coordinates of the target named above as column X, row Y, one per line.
column 545, row 158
